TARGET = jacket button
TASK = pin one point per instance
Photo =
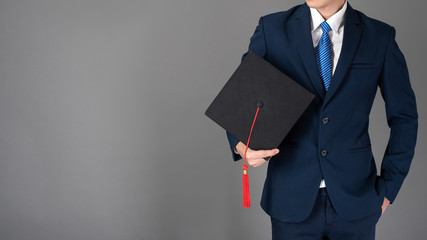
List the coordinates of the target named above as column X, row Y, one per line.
column 324, row 153
column 325, row 120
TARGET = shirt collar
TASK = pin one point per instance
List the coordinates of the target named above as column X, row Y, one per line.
column 334, row 21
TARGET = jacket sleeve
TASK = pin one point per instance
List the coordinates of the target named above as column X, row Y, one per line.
column 257, row 44
column 402, row 119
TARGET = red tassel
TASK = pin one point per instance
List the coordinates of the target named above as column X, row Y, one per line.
column 246, row 194
column 245, row 177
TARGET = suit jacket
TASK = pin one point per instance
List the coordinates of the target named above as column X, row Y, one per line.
column 331, row 138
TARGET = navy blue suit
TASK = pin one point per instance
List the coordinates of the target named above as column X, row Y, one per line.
column 331, row 139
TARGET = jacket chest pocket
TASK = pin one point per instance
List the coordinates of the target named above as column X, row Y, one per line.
column 362, row 65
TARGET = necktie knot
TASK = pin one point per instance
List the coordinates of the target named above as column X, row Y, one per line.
column 325, row 27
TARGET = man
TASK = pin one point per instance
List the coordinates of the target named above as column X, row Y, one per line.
column 322, row 181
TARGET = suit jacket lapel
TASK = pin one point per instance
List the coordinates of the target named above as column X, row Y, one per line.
column 302, row 30
column 352, row 33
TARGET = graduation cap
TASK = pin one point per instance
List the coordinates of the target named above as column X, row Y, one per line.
column 258, row 105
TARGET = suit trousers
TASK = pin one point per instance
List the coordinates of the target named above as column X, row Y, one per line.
column 324, row 224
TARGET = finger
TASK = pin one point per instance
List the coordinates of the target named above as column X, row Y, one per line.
column 256, row 162
column 264, row 153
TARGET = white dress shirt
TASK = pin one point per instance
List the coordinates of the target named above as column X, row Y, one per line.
column 336, row 22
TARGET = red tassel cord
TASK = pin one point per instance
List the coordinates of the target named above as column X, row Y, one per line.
column 245, row 177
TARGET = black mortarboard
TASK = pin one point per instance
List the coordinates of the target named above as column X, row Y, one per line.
column 258, row 83
column 259, row 103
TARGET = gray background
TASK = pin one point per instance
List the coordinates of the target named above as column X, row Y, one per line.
column 102, row 126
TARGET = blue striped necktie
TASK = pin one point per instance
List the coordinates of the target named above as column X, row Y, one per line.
column 324, row 55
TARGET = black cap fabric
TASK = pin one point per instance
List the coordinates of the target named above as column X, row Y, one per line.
column 257, row 83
